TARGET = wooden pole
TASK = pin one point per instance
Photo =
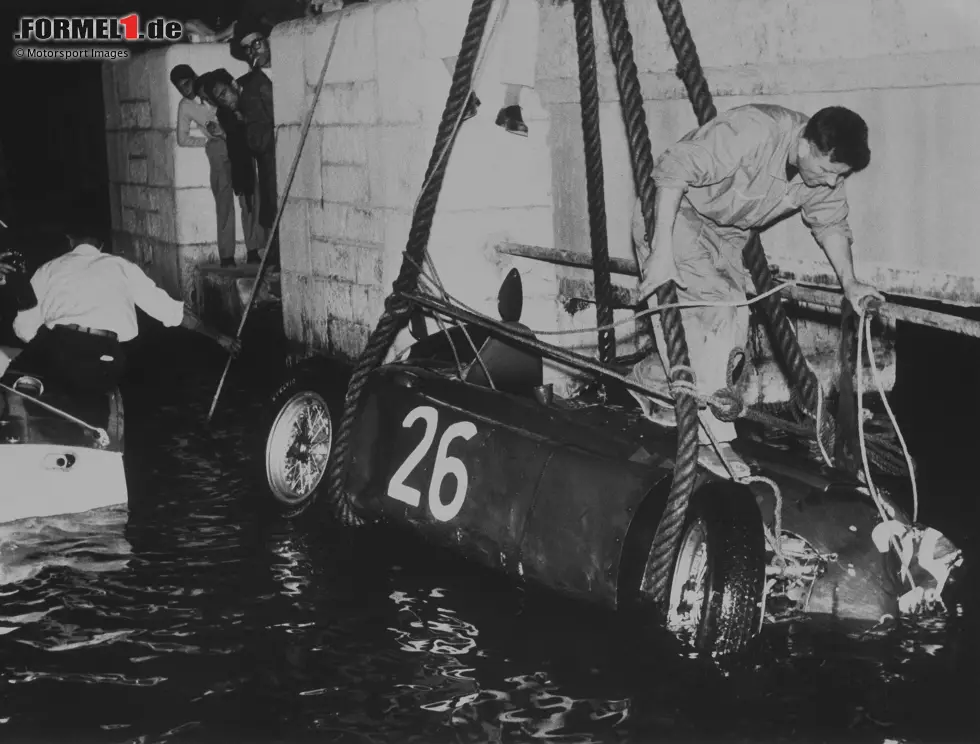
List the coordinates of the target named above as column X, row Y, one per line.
column 282, row 205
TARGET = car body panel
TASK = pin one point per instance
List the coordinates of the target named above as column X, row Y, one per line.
column 554, row 491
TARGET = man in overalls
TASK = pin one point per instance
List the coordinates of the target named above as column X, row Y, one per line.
column 742, row 171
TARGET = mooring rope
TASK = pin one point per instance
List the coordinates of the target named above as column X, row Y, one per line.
column 594, row 177
column 667, row 537
column 397, row 308
column 779, row 327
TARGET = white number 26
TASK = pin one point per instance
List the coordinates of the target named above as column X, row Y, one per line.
column 444, row 464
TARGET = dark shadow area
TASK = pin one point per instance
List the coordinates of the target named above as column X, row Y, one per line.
column 53, row 136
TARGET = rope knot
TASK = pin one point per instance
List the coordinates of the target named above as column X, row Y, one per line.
column 396, row 304
column 726, row 405
column 680, row 385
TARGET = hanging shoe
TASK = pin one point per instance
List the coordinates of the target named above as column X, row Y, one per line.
column 472, row 104
column 510, row 118
column 708, row 458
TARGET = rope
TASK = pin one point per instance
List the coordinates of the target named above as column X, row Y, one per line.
column 780, row 330
column 865, row 329
column 397, row 308
column 864, row 335
column 594, row 177
column 666, row 540
column 784, row 416
column 773, row 536
column 102, row 435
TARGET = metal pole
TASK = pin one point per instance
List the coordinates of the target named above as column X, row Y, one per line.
column 811, row 294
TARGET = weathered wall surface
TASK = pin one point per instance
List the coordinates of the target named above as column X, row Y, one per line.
column 910, row 68
column 163, row 214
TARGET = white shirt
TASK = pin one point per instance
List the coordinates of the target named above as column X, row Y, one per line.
column 97, row 290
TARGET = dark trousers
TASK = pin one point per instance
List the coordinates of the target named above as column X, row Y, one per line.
column 268, row 198
column 224, row 195
column 84, row 366
column 78, row 362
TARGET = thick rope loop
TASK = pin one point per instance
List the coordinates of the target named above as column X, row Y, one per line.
column 726, row 404
column 666, row 540
column 594, row 176
column 397, row 304
column 395, row 316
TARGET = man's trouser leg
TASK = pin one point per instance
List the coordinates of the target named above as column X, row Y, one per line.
column 224, row 196
column 87, row 366
column 706, row 263
column 268, row 200
column 518, row 32
column 254, row 233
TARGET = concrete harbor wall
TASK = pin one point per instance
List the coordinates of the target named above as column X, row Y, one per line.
column 911, row 68
column 163, row 214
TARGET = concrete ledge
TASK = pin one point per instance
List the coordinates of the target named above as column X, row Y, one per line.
column 225, row 293
column 961, row 67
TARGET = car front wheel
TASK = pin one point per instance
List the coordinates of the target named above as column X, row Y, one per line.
column 719, row 572
column 301, row 429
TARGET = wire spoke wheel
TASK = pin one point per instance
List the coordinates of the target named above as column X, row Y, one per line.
column 689, row 588
column 298, row 447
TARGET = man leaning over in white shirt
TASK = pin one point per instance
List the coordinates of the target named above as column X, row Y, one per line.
column 86, row 309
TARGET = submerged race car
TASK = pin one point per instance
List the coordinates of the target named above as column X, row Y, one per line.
column 459, row 440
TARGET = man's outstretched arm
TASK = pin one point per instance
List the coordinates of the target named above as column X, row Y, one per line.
column 229, row 343
column 837, row 246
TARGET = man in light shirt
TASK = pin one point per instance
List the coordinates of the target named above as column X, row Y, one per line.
column 197, row 126
column 746, row 169
column 86, row 309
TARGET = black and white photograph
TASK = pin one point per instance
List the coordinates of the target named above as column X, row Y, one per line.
column 489, row 371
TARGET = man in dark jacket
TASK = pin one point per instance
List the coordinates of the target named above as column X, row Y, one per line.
column 225, row 92
column 256, row 103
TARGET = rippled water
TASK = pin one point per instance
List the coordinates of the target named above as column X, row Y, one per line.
column 190, row 616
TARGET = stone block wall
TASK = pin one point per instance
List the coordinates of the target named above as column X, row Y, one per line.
column 909, row 71
column 163, row 214
column 909, row 67
column 350, row 207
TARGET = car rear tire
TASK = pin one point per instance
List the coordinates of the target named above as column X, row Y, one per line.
column 719, row 572
column 301, row 423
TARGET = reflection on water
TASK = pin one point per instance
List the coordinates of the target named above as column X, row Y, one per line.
column 93, row 541
column 191, row 616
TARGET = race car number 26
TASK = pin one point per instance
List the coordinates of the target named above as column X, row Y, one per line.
column 444, row 464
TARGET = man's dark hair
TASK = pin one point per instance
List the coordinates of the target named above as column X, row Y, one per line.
column 84, row 231
column 842, row 134
column 205, row 83
column 182, row 72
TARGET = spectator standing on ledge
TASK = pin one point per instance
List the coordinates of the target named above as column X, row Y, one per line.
column 221, row 88
column 194, row 113
column 256, row 103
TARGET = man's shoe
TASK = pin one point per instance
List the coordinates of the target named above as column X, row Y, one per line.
column 253, row 257
column 510, row 118
column 709, row 459
column 227, row 263
column 472, row 104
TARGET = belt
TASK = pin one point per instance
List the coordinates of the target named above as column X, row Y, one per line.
column 86, row 329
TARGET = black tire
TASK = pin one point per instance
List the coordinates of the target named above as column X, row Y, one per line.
column 298, row 435
column 719, row 573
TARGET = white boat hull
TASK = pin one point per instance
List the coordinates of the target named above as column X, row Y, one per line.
column 41, row 480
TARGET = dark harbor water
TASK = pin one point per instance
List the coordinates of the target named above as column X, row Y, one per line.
column 191, row 616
